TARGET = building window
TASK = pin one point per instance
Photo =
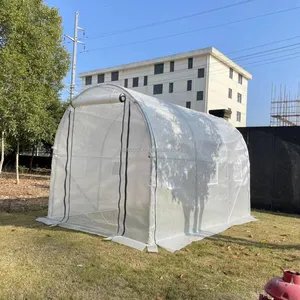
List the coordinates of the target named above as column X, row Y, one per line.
column 201, row 73
column 172, row 66
column 101, row 78
column 230, row 73
column 238, row 116
column 159, row 68
column 115, row 76
column 200, row 95
column 171, row 87
column 240, row 79
column 88, row 80
column 189, row 85
column 135, row 82
column 188, row 104
column 239, row 98
column 126, row 83
column 230, row 93
column 190, row 63
column 157, row 89
column 145, row 80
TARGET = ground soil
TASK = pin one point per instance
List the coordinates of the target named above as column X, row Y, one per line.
column 32, row 193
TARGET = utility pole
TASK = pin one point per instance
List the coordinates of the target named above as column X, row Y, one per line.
column 74, row 55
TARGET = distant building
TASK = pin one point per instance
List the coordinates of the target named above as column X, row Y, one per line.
column 203, row 80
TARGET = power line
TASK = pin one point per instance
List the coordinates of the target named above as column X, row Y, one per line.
column 245, row 57
column 253, row 63
column 237, row 59
column 194, row 30
column 250, row 48
column 274, row 58
column 254, row 66
column 266, row 52
column 220, row 71
column 249, row 64
column 263, row 45
column 170, row 20
column 112, row 4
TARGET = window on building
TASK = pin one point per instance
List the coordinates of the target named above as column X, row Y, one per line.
column 159, row 68
column 172, row 66
column 238, row 116
column 188, row 104
column 88, row 80
column 157, row 89
column 171, row 87
column 101, row 78
column 230, row 73
column 189, row 85
column 239, row 98
column 135, row 82
column 115, row 76
column 230, row 93
column 126, row 82
column 201, row 73
column 240, row 79
column 145, row 80
column 190, row 63
column 200, row 95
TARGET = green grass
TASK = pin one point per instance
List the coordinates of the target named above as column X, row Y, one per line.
column 38, row 262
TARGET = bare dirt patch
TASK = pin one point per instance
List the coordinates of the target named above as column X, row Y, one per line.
column 32, row 193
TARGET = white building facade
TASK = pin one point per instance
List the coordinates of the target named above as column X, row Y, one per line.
column 202, row 80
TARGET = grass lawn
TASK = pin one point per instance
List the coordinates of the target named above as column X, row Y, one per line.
column 37, row 262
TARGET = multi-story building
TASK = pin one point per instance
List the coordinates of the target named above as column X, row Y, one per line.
column 203, row 80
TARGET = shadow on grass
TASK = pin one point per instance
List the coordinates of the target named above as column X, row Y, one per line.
column 19, row 205
column 31, row 176
column 277, row 213
column 27, row 219
column 23, row 213
column 42, row 186
column 245, row 242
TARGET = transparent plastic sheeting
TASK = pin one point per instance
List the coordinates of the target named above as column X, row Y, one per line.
column 146, row 173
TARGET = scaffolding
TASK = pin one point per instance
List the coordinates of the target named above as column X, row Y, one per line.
column 285, row 110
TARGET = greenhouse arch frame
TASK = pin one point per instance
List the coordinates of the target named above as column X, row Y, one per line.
column 146, row 173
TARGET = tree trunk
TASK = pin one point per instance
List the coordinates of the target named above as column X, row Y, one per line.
column 31, row 159
column 17, row 162
column 2, row 152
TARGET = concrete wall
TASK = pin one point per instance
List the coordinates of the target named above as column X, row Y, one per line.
column 214, row 85
column 179, row 78
column 218, row 85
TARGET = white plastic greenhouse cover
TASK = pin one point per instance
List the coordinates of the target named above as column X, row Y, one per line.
column 146, row 173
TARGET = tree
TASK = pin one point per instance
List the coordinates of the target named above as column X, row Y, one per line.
column 55, row 112
column 2, row 150
column 33, row 63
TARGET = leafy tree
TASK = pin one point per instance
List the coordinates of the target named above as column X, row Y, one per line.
column 2, row 150
column 33, row 63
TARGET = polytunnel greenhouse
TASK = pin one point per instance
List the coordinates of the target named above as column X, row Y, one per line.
column 146, row 173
